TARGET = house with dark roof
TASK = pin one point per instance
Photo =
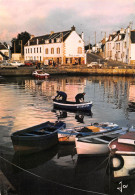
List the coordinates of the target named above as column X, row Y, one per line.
column 132, row 52
column 4, row 52
column 66, row 47
column 120, row 46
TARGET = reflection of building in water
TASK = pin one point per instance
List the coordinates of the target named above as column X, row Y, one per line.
column 131, row 104
column 113, row 90
column 71, row 85
column 132, row 93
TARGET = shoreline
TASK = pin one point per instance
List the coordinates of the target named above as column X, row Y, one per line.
column 74, row 70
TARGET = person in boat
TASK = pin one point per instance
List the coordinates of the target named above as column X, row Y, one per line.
column 79, row 97
column 61, row 94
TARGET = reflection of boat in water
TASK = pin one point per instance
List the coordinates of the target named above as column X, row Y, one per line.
column 66, row 150
column 79, row 115
column 122, row 160
column 72, row 106
column 39, row 82
column 35, row 159
column 131, row 107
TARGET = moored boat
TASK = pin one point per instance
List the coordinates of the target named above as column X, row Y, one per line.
column 72, row 106
column 40, row 74
column 97, row 144
column 36, row 138
column 122, row 159
column 69, row 135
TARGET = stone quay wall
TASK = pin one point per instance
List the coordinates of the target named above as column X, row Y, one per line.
column 27, row 71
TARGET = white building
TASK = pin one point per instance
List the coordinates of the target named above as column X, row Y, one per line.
column 65, row 47
column 120, row 46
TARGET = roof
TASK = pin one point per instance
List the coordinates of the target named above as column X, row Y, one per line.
column 133, row 36
column 113, row 36
column 120, row 37
column 41, row 39
column 2, row 46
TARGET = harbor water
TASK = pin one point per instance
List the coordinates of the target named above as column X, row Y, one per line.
column 25, row 102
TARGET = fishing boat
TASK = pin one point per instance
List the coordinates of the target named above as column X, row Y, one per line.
column 122, row 159
column 69, row 135
column 97, row 144
column 72, row 106
column 40, row 74
column 36, row 138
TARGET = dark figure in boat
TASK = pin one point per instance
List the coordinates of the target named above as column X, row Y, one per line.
column 79, row 97
column 61, row 94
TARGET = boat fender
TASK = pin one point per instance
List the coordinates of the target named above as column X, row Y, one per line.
column 119, row 157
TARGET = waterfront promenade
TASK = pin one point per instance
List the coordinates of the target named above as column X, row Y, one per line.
column 71, row 70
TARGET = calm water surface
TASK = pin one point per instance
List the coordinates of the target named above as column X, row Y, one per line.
column 26, row 102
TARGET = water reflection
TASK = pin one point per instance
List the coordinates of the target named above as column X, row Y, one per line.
column 79, row 116
column 34, row 160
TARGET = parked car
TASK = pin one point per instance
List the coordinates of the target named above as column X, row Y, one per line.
column 8, row 65
column 28, row 63
column 17, row 63
column 94, row 64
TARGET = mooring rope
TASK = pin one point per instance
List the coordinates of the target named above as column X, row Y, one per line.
column 48, row 180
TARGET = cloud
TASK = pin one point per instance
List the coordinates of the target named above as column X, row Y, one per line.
column 39, row 17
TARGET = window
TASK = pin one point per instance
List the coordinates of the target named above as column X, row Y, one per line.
column 31, row 50
column 58, row 50
column 79, row 50
column 47, row 41
column 40, row 49
column 37, row 49
column 34, row 50
column 52, row 50
column 46, row 51
column 26, row 50
column 58, row 40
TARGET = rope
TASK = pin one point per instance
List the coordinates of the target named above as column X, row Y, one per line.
column 74, row 188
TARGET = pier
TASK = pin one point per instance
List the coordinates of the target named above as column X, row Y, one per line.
column 71, row 70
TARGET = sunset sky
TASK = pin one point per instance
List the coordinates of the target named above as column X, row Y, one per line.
column 39, row 17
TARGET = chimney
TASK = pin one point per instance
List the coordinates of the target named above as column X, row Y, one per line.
column 32, row 36
column 73, row 28
column 82, row 36
column 52, row 32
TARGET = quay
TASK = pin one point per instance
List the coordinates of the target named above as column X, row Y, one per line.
column 71, row 70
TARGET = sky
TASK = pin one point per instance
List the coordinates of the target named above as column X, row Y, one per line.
column 40, row 17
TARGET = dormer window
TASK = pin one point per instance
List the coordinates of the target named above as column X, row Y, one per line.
column 58, row 40
column 47, row 41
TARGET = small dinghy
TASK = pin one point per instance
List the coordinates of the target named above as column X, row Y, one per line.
column 97, row 144
column 72, row 106
column 40, row 74
column 69, row 135
column 36, row 138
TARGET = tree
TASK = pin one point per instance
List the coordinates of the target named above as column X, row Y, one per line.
column 19, row 42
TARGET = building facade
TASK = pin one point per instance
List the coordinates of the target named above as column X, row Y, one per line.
column 120, row 46
column 65, row 47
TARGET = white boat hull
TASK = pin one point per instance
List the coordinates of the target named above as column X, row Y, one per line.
column 84, row 148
